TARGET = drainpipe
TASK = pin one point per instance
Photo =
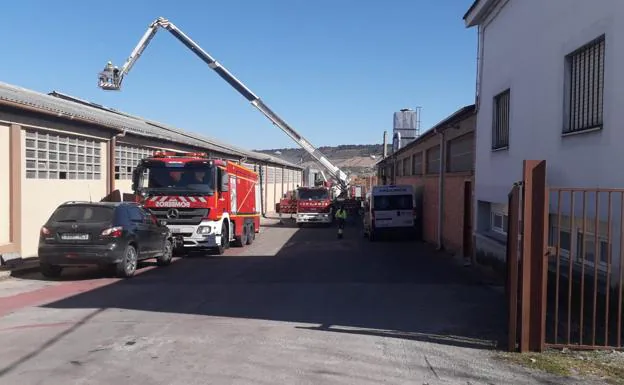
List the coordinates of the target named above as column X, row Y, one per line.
column 479, row 65
column 260, row 181
column 441, row 189
column 266, row 189
column 111, row 160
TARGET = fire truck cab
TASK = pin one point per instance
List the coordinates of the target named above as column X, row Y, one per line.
column 206, row 203
column 314, row 205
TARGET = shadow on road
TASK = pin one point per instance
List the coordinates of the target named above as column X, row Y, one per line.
column 398, row 290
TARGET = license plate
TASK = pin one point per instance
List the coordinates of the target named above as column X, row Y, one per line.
column 75, row 237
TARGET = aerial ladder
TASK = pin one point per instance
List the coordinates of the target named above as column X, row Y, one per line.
column 112, row 77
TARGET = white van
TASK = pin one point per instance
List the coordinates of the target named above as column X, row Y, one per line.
column 389, row 209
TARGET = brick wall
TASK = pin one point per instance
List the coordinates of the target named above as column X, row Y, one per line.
column 430, row 203
column 458, row 142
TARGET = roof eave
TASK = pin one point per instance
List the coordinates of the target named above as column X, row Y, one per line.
column 479, row 10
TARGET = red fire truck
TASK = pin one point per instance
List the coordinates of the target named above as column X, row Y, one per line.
column 309, row 204
column 207, row 203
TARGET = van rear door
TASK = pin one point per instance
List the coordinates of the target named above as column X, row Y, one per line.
column 393, row 210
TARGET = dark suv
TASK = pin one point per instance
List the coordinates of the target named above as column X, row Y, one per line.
column 118, row 235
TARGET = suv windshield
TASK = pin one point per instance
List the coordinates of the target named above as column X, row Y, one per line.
column 311, row 194
column 187, row 177
column 393, row 202
column 83, row 214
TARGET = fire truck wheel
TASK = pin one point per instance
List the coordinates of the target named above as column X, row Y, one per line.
column 165, row 258
column 241, row 240
column 225, row 240
column 251, row 234
column 127, row 267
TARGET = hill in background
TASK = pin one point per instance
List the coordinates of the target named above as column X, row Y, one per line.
column 357, row 159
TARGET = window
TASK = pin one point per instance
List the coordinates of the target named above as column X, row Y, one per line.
column 417, row 164
column 147, row 216
column 135, row 214
column 498, row 220
column 270, row 175
column 460, row 154
column 433, row 160
column 312, row 193
column 500, row 123
column 585, row 87
column 127, row 158
column 56, row 156
column 393, row 202
column 405, row 162
column 278, row 174
column 82, row 214
column 589, row 248
column 194, row 176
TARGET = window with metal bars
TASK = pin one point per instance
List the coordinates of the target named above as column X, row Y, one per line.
column 51, row 155
column 270, row 174
column 460, row 154
column 127, row 158
column 585, row 87
column 433, row 160
column 417, row 164
column 500, row 120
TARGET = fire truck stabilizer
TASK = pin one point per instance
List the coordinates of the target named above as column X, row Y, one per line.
column 206, row 203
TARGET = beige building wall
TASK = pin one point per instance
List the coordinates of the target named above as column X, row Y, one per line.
column 5, row 186
column 41, row 197
column 125, row 186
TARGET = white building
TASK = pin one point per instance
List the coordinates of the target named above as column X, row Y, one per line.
column 549, row 86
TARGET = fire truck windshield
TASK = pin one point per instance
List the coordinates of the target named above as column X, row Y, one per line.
column 188, row 178
column 313, row 194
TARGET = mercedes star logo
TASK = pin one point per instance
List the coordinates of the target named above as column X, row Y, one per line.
column 173, row 213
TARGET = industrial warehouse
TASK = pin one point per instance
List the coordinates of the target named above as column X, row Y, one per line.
column 56, row 148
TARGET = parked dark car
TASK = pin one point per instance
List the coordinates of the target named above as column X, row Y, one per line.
column 105, row 234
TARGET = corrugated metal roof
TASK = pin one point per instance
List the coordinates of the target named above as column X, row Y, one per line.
column 71, row 107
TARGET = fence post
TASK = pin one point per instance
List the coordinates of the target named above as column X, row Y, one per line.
column 535, row 255
column 513, row 234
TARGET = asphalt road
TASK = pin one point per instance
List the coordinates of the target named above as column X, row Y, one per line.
column 297, row 307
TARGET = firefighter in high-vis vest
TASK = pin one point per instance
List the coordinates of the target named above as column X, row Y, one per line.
column 341, row 216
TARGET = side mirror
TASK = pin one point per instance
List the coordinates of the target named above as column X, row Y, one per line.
column 224, row 183
column 162, row 222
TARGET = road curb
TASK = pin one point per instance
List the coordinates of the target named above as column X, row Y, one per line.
column 24, row 267
column 5, row 274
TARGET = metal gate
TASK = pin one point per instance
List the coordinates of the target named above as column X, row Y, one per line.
column 565, row 276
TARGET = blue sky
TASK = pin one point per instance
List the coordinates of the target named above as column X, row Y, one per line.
column 336, row 70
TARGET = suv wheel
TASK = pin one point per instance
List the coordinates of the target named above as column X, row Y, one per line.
column 128, row 265
column 165, row 258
